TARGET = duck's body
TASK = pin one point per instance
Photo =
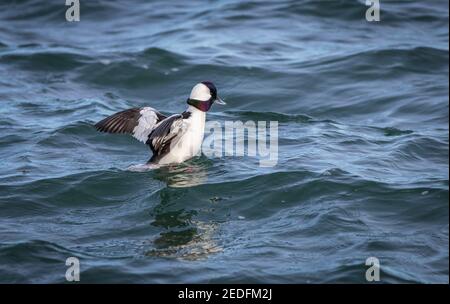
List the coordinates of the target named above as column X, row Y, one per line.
column 189, row 142
column 172, row 139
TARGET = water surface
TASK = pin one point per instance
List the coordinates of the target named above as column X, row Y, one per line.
column 363, row 142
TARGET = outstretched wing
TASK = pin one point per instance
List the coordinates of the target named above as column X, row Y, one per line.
column 165, row 133
column 139, row 122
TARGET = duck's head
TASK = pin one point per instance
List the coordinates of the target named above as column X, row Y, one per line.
column 203, row 95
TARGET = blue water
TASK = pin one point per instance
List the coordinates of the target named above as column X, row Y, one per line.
column 363, row 165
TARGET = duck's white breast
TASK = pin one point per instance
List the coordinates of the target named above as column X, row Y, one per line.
column 190, row 142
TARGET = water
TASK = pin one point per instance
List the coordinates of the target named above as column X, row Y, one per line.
column 363, row 142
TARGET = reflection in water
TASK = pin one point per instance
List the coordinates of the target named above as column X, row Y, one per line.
column 182, row 236
column 183, row 175
column 190, row 243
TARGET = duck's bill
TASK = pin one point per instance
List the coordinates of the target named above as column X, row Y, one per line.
column 219, row 101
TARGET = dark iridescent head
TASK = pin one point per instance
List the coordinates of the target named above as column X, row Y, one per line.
column 203, row 95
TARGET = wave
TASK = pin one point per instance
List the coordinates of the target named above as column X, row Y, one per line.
column 271, row 116
column 346, row 11
column 366, row 63
column 20, row 258
column 53, row 11
column 355, row 10
column 46, row 61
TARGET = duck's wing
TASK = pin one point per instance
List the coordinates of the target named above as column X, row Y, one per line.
column 139, row 122
column 165, row 133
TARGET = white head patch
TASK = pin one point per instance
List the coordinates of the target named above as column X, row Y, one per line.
column 200, row 92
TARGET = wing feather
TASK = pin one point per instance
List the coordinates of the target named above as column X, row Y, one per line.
column 139, row 122
column 164, row 134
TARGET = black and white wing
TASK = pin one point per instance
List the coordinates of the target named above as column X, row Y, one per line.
column 139, row 122
column 166, row 133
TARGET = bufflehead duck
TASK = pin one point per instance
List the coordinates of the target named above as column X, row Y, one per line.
column 172, row 139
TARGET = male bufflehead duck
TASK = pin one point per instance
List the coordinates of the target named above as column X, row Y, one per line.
column 172, row 139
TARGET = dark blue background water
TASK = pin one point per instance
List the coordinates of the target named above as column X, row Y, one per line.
column 363, row 142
